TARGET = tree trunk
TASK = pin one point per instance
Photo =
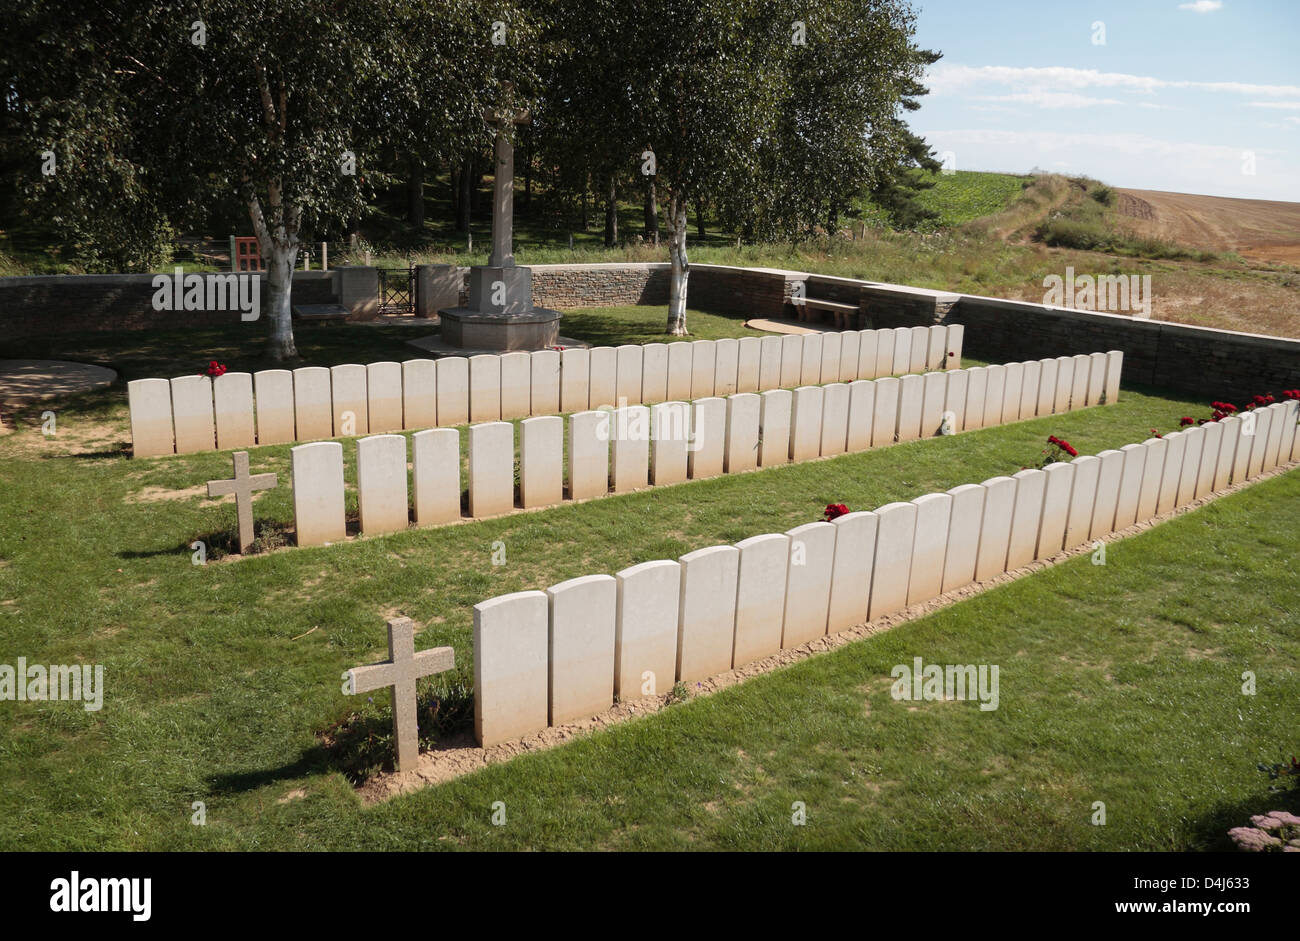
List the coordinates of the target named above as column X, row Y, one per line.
column 651, row 212
column 681, row 268
column 415, row 194
column 466, row 187
column 278, row 242
column 611, row 213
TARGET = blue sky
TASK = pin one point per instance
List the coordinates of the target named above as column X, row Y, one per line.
column 1182, row 96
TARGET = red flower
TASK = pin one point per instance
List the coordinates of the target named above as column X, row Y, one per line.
column 834, row 510
column 215, row 369
column 1185, row 421
column 1065, row 446
column 1156, row 434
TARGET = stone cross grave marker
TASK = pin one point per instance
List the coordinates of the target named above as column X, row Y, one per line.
column 403, row 667
column 242, row 487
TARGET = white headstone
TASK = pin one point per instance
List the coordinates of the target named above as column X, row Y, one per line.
column 541, row 461
column 1096, row 378
column 516, row 385
column 453, row 391
column 995, row 528
column 511, row 647
column 911, row 397
column 1114, row 367
column 725, row 375
column 192, row 414
column 381, row 484
column 769, row 363
column 575, row 379
column 920, row 346
column 774, row 428
column 902, row 351
column 603, row 382
column 589, row 434
column 1153, row 470
column 748, row 359
column 933, row 392
column 318, row 509
column 708, row 437
column 1109, row 477
column 862, row 409
column 679, row 371
column 1025, row 518
column 835, row 418
column 956, row 333
column 995, row 395
column 966, row 517
column 850, row 348
column 544, row 395
column 884, row 422
column 704, row 361
column 808, row 583
column 436, row 472
column 1079, row 388
column 628, row 374
column 1175, row 451
column 384, row 397
column 313, row 411
column 1011, row 393
column 1056, row 509
column 1231, row 431
column 1064, row 383
column 485, row 388
column 630, row 457
column 895, row 537
column 645, row 638
column 869, row 353
column 855, row 553
column 806, row 423
column 150, row 405
column 419, row 393
column 832, row 344
column 351, row 405
column 1033, row 375
column 1246, row 431
column 936, row 347
column 791, row 361
column 1258, row 446
column 810, row 366
column 491, row 469
column 760, row 596
column 1130, row 486
column 582, row 616
column 1048, row 368
column 707, row 619
column 273, row 390
column 654, row 373
column 1083, row 498
column 1193, row 449
column 954, row 400
column 232, row 396
column 670, row 429
column 977, row 389
column 929, row 547
column 743, row 413
column 1271, row 449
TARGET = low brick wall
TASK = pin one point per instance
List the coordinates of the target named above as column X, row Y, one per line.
column 52, row 304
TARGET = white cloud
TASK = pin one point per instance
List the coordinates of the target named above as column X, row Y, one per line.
column 1202, row 6
column 1292, row 120
column 949, row 78
column 1288, row 105
column 1051, row 99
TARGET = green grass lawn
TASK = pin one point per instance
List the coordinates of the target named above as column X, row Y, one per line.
column 1118, row 683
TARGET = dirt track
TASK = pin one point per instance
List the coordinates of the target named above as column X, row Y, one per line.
column 1260, row 229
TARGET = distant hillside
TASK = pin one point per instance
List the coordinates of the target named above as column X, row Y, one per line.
column 1262, row 229
column 965, row 195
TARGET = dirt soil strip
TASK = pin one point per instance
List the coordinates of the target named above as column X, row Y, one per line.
column 460, row 755
column 1262, row 229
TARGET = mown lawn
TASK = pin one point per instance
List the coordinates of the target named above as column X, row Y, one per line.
column 1119, row 683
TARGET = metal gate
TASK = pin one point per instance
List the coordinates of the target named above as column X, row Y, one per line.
column 397, row 290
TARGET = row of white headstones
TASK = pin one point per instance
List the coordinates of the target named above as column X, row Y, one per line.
column 277, row 406
column 548, row 657
column 631, row 447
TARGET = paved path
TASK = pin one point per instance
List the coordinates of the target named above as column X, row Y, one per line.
column 30, row 380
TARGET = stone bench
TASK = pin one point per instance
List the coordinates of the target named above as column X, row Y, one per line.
column 843, row 316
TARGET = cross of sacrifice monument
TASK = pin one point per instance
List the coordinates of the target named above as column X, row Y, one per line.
column 400, row 671
column 242, row 487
